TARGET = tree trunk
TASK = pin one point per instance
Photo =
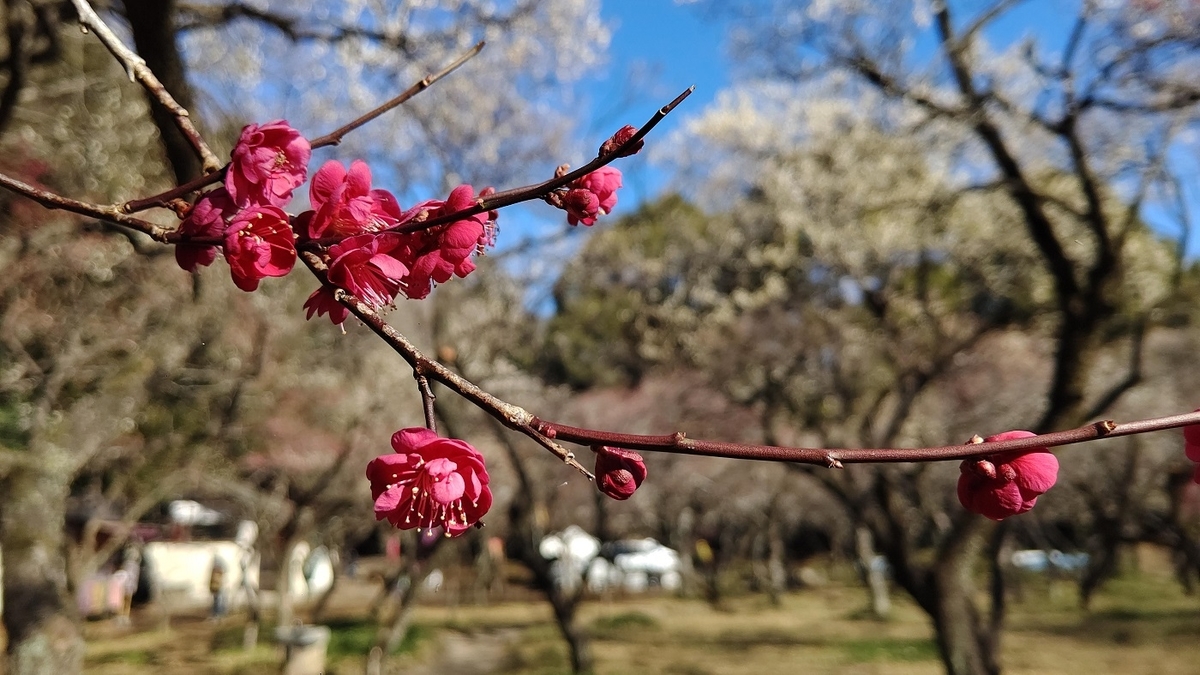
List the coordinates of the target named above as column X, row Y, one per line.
column 877, row 585
column 43, row 632
column 967, row 644
column 578, row 641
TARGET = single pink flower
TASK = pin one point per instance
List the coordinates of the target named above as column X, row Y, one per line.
column 430, row 481
column 208, row 218
column 268, row 163
column 259, row 243
column 365, row 266
column 619, row 472
column 1006, row 484
column 345, row 205
column 443, row 251
column 603, row 184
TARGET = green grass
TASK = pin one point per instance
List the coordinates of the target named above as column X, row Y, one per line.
column 889, row 649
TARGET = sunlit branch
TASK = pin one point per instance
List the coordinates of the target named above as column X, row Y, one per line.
column 512, row 416
column 428, row 401
column 679, row 443
column 111, row 214
column 334, row 137
column 538, row 190
column 137, row 69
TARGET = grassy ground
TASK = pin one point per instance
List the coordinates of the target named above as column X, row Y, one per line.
column 1137, row 625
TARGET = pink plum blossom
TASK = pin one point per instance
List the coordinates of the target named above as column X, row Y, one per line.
column 619, row 472
column 601, row 183
column 268, row 163
column 345, row 205
column 430, row 481
column 1006, row 484
column 208, row 218
column 443, row 251
column 259, row 243
column 365, row 266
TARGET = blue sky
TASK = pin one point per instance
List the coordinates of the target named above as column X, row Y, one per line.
column 660, row 47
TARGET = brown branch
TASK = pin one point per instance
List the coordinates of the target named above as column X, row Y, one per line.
column 529, row 192
column 164, row 198
column 137, row 69
column 428, row 401
column 512, row 416
column 111, row 214
column 679, row 443
column 334, row 137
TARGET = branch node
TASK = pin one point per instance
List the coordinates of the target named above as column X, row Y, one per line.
column 1104, row 427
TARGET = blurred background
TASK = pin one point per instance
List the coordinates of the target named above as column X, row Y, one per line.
column 874, row 223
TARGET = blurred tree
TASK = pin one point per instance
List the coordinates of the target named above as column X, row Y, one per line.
column 125, row 385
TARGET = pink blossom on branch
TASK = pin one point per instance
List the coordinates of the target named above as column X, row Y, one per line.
column 268, row 163
column 364, row 265
column 436, row 254
column 259, row 243
column 619, row 472
column 344, row 204
column 208, row 218
column 1006, row 484
column 601, row 185
column 430, row 481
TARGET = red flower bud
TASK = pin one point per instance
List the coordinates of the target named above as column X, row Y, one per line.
column 619, row 472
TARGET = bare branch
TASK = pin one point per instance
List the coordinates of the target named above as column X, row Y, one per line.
column 137, row 69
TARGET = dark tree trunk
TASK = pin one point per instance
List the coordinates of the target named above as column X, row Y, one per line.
column 966, row 640
column 152, row 23
column 43, row 631
column 579, row 643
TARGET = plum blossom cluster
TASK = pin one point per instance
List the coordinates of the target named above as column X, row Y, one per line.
column 1006, row 484
column 246, row 212
column 371, row 260
column 430, row 482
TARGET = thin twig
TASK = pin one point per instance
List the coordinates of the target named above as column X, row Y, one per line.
column 428, row 400
column 529, row 192
column 137, row 69
column 334, row 137
column 163, row 198
column 111, row 214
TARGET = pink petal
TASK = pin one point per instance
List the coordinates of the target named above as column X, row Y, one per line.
column 328, row 178
column 390, row 499
column 1036, row 471
column 449, row 489
column 412, row 438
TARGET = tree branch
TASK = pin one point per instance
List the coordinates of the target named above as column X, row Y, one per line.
column 137, row 69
